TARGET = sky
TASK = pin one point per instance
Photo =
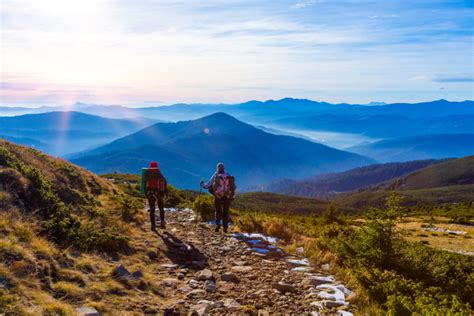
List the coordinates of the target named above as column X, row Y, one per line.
column 143, row 52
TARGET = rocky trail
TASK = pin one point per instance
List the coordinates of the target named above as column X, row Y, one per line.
column 203, row 272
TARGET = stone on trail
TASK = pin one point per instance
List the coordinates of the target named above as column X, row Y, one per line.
column 197, row 293
column 301, row 269
column 232, row 305
column 332, row 304
column 298, row 262
column 218, row 304
column 241, row 269
column 169, row 282
column 204, row 275
column 169, row 266
column 210, row 286
column 229, row 277
column 193, row 284
column 338, row 295
column 200, row 309
column 284, row 287
column 318, row 280
column 86, row 311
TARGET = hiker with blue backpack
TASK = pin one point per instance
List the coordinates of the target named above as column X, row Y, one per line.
column 222, row 186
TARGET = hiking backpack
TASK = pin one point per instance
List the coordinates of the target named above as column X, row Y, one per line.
column 224, row 186
column 154, row 180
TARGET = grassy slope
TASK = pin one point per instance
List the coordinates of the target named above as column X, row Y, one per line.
column 448, row 182
column 63, row 230
column 278, row 203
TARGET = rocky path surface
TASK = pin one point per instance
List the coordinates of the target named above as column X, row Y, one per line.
column 204, row 272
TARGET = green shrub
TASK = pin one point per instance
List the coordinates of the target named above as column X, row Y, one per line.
column 204, row 207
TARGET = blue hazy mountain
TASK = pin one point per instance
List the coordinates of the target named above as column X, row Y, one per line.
column 380, row 126
column 327, row 185
column 418, row 147
column 60, row 133
column 189, row 150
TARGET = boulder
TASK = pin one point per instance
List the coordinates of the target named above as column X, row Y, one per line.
column 229, row 277
column 120, row 272
column 199, row 309
column 136, row 275
column 204, row 275
column 232, row 305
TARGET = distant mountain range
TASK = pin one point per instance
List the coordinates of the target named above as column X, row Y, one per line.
column 189, row 150
column 327, row 185
column 61, row 133
column 262, row 111
column 418, row 147
column 383, row 132
column 304, row 117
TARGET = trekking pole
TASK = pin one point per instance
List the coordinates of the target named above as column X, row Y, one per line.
column 199, row 198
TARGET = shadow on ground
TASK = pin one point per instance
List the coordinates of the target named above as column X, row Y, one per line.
column 183, row 254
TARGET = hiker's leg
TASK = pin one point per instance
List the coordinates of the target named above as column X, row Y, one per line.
column 162, row 211
column 225, row 213
column 218, row 206
column 151, row 203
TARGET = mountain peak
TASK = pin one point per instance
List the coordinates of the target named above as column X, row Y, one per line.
column 219, row 117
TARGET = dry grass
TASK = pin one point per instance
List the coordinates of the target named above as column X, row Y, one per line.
column 413, row 231
column 69, row 290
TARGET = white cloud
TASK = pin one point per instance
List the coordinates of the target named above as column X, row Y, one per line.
column 305, row 3
column 181, row 51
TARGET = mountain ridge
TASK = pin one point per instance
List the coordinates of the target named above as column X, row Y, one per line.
column 199, row 144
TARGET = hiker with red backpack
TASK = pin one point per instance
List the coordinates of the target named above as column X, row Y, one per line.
column 156, row 188
column 222, row 186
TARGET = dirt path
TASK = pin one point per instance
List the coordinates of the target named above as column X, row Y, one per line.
column 204, row 272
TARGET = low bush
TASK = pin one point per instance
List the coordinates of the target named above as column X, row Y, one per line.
column 204, row 207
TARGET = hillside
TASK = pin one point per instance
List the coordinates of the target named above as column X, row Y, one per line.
column 61, row 133
column 418, row 147
column 72, row 242
column 451, row 181
column 189, row 150
column 326, row 185
column 66, row 199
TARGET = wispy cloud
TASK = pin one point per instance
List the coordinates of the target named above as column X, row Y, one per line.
column 204, row 51
column 305, row 3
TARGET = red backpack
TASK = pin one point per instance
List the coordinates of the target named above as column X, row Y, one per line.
column 154, row 180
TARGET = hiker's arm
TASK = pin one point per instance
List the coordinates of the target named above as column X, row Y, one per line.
column 209, row 183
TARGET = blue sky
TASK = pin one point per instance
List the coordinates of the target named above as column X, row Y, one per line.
column 159, row 52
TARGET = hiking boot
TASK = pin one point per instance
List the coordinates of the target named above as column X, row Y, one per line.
column 217, row 228
column 225, row 230
column 153, row 228
column 163, row 225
